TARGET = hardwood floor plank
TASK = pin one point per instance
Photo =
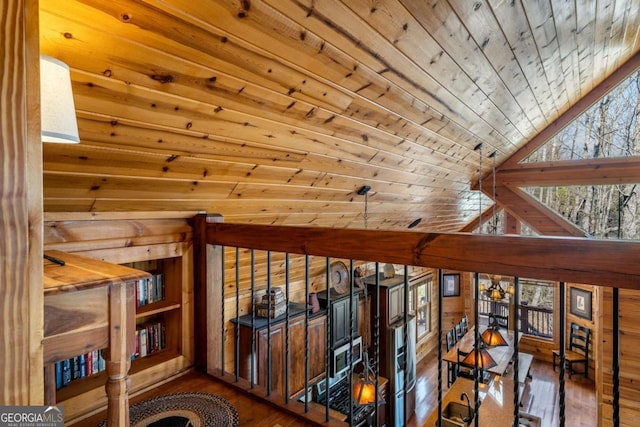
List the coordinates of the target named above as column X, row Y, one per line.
column 541, row 398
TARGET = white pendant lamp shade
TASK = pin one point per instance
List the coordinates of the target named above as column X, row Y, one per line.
column 56, row 102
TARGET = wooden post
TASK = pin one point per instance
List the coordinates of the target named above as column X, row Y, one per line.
column 122, row 325
column 21, row 374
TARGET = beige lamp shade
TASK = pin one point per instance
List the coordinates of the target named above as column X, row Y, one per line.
column 57, row 110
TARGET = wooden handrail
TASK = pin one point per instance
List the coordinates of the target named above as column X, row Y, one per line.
column 578, row 260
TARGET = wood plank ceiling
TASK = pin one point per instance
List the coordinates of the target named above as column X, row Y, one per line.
column 278, row 111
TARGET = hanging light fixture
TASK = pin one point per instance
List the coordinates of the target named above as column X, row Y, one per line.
column 495, row 291
column 484, row 361
column 364, row 390
column 57, row 110
column 493, row 338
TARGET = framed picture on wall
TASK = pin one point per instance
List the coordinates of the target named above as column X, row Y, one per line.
column 580, row 303
column 451, row 285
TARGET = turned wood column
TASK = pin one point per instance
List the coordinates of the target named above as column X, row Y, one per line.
column 122, row 324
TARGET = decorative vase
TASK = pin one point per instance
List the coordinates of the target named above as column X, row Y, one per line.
column 313, row 301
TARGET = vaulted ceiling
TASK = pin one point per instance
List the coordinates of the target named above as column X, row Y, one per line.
column 279, row 111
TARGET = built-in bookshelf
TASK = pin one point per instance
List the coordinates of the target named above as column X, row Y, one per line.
column 79, row 367
column 158, row 311
column 163, row 304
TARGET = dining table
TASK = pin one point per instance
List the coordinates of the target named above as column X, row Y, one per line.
column 501, row 354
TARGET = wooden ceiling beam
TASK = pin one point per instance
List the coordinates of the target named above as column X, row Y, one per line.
column 571, row 172
column 532, row 212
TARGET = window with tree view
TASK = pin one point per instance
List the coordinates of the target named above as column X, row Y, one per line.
column 420, row 302
column 609, row 129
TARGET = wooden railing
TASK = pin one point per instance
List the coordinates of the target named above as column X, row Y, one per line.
column 577, row 260
column 535, row 321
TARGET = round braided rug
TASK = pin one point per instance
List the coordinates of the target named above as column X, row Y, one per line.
column 183, row 410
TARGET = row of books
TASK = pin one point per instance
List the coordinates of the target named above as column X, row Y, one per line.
column 150, row 338
column 150, row 290
column 79, row 367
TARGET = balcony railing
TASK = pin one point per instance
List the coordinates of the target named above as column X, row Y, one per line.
column 535, row 321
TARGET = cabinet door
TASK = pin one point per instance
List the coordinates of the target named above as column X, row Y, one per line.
column 317, row 346
column 340, row 320
column 277, row 358
column 396, row 303
column 317, row 334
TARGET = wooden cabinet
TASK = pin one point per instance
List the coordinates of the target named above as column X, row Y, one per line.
column 341, row 315
column 395, row 303
column 316, row 333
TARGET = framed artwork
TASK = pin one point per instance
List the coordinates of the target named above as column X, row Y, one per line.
column 580, row 303
column 451, row 285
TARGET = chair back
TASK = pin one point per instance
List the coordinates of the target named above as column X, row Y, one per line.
column 450, row 340
column 579, row 339
column 465, row 370
column 464, row 322
column 500, row 320
column 458, row 329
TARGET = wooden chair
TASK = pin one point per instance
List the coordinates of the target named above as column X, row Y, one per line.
column 466, row 370
column 458, row 329
column 451, row 370
column 464, row 323
column 578, row 352
column 451, row 341
column 501, row 321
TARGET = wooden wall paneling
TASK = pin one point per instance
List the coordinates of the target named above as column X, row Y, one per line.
column 629, row 341
column 419, row 153
column 405, row 75
column 512, row 21
column 488, row 35
column 472, row 81
column 335, row 65
column 20, row 195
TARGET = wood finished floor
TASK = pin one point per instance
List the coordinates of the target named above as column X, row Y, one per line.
column 542, row 400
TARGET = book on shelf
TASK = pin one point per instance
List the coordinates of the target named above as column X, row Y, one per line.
column 78, row 367
column 150, row 338
column 150, row 290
